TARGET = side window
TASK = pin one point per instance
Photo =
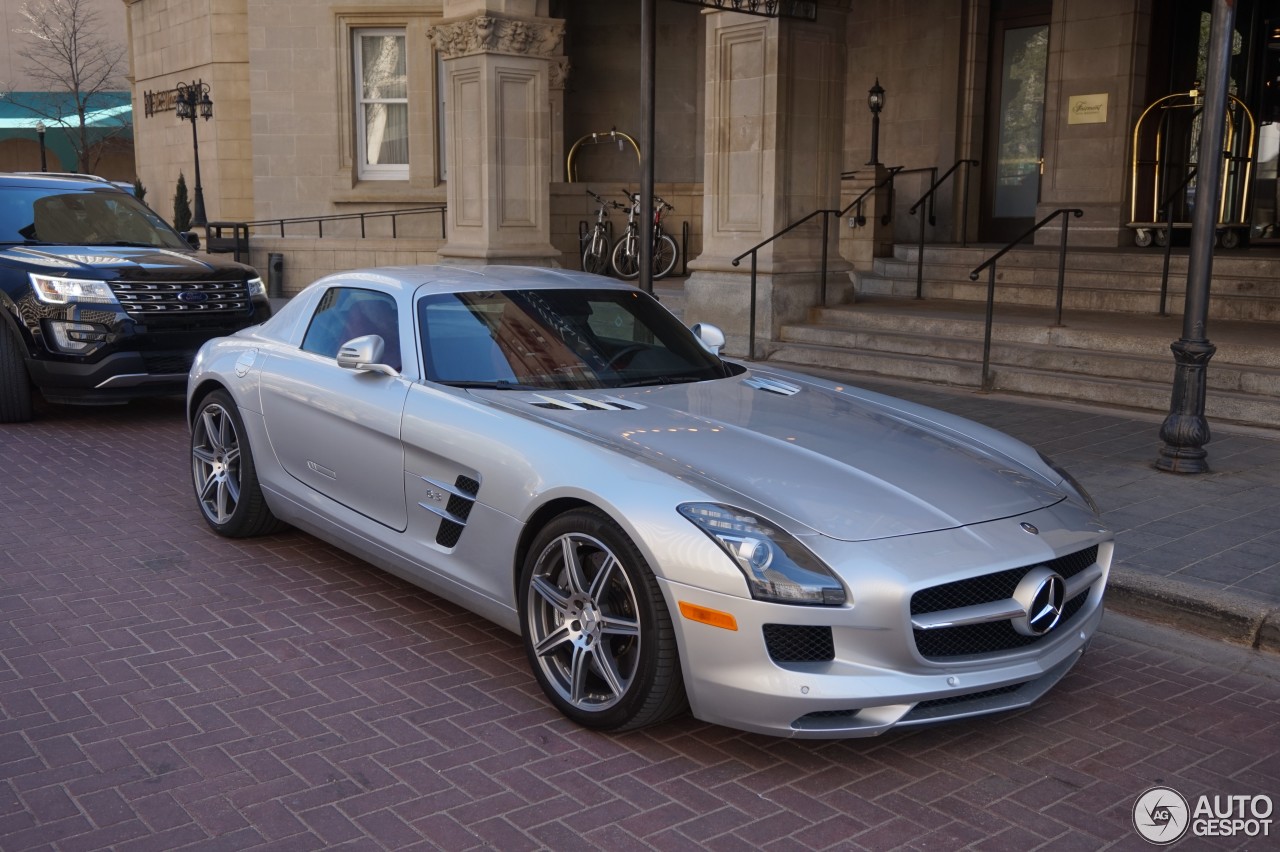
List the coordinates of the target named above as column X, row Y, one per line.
column 344, row 313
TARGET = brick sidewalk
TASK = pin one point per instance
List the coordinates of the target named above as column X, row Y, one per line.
column 162, row 688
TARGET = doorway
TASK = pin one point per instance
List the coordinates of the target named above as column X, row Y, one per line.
column 1013, row 157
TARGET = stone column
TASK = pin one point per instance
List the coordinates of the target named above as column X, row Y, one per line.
column 774, row 123
column 497, row 69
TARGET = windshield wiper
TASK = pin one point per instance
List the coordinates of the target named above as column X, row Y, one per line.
column 501, row 384
column 660, row 380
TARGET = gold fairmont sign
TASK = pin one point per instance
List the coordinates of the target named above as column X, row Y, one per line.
column 1087, row 109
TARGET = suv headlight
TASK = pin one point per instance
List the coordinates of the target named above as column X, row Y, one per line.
column 65, row 291
column 256, row 287
column 1071, row 483
column 778, row 568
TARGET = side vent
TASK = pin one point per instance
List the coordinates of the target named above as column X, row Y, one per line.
column 772, row 386
column 455, row 513
column 573, row 402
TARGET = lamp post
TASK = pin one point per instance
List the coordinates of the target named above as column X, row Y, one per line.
column 875, row 103
column 193, row 101
column 40, row 131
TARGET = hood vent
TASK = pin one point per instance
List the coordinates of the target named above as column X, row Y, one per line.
column 573, row 402
column 772, row 386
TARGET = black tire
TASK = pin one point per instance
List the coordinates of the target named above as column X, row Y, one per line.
column 596, row 628
column 665, row 255
column 626, row 264
column 595, row 257
column 15, row 384
column 222, row 472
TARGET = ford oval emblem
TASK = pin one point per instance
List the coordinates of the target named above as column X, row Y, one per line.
column 193, row 296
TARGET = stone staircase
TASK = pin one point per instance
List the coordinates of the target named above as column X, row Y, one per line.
column 1111, row 349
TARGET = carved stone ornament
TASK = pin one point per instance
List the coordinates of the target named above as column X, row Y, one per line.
column 558, row 73
column 487, row 34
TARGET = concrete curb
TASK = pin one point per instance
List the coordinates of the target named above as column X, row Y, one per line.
column 1218, row 614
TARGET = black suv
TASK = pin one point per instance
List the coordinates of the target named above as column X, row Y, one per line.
column 100, row 300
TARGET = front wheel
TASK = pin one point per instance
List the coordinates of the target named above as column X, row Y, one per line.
column 222, row 471
column 596, row 628
column 626, row 258
column 665, row 255
column 15, row 384
column 595, row 257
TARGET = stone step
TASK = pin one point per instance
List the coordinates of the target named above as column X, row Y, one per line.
column 1221, row 404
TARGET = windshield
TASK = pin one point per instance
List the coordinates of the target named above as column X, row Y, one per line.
column 567, row 339
column 92, row 216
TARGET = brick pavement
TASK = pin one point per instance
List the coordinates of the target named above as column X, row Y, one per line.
column 162, row 688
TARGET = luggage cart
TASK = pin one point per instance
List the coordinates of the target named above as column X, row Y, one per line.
column 1158, row 179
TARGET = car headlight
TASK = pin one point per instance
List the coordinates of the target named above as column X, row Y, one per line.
column 1072, row 483
column 65, row 291
column 778, row 568
column 256, row 287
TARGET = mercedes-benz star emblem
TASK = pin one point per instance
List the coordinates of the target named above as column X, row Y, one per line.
column 1031, row 528
column 1042, row 593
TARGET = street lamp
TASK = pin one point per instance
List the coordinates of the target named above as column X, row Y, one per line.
column 40, row 131
column 193, row 100
column 875, row 103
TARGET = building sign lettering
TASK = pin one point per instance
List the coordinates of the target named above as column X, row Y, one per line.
column 1087, row 109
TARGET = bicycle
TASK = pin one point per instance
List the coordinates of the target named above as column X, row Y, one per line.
column 626, row 252
column 596, row 242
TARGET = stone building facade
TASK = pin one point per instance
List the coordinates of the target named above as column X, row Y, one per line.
column 760, row 121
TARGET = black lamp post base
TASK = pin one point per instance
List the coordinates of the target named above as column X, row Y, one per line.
column 1185, row 430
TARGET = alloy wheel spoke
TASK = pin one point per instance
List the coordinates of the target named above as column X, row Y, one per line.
column 572, row 566
column 211, row 430
column 601, row 580
column 607, row 667
column 578, row 671
column 553, row 641
column 616, row 626
column 552, row 594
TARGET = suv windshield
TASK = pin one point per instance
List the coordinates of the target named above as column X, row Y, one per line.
column 558, row 339
column 91, row 216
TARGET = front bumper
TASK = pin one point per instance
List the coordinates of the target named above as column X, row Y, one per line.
column 872, row 677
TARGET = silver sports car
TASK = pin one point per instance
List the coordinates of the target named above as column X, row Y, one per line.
column 665, row 529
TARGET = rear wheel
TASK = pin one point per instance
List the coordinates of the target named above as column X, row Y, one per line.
column 15, row 384
column 665, row 255
column 222, row 471
column 596, row 628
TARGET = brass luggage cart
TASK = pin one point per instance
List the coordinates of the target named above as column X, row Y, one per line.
column 1162, row 189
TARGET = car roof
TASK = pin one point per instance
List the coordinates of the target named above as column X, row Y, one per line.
column 56, row 180
column 446, row 279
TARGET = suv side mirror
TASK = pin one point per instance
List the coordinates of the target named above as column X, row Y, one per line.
column 710, row 336
column 192, row 238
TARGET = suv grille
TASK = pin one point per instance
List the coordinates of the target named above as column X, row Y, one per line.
column 993, row 636
column 179, row 297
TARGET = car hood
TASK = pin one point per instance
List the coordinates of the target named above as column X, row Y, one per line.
column 845, row 466
column 87, row 260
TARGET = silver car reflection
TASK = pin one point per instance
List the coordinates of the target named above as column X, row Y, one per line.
column 664, row 528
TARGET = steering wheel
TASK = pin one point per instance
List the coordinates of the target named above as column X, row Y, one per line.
column 627, row 352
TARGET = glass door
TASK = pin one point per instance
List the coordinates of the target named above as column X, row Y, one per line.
column 1015, row 120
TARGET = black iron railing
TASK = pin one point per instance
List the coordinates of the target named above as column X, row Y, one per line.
column 1166, row 208
column 929, row 195
column 856, row 205
column 990, row 265
column 217, row 241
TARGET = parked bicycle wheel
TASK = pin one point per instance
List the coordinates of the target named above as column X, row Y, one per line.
column 665, row 255
column 626, row 258
column 595, row 257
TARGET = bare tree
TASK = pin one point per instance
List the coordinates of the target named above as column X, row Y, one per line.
column 76, row 65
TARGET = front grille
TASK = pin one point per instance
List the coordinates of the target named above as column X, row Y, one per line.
column 790, row 643
column 993, row 636
column 146, row 298
column 994, row 587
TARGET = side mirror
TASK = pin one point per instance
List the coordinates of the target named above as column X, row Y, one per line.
column 710, row 336
column 192, row 238
column 364, row 353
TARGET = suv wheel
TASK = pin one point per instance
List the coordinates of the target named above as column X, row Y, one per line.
column 15, row 384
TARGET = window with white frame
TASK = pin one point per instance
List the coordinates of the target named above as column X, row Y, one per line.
column 382, row 103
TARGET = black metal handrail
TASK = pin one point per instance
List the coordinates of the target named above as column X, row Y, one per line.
column 754, row 252
column 930, row 194
column 990, row 265
column 215, row 241
column 858, row 219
